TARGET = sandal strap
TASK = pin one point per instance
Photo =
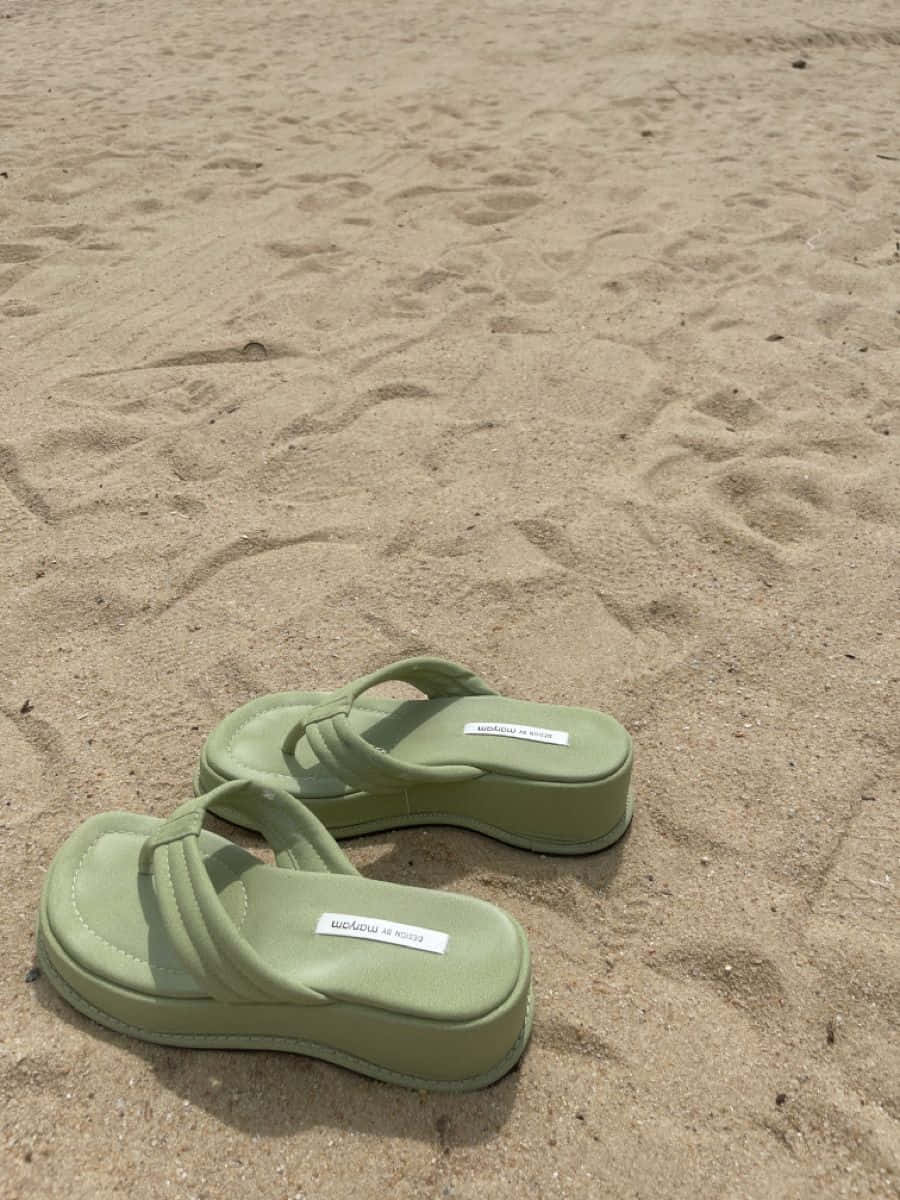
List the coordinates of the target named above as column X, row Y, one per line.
column 207, row 940
column 356, row 761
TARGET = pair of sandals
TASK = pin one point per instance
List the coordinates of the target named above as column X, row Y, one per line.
column 172, row 934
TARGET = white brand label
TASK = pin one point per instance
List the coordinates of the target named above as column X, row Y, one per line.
column 373, row 929
column 528, row 733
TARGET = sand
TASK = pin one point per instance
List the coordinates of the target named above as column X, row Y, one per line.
column 558, row 340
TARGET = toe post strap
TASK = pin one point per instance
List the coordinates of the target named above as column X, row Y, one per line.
column 356, row 761
column 203, row 933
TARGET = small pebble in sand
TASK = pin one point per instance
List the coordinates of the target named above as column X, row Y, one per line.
column 799, row 64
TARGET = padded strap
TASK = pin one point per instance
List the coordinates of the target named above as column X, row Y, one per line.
column 207, row 940
column 357, row 762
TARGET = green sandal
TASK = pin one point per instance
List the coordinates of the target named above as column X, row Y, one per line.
column 169, row 933
column 541, row 776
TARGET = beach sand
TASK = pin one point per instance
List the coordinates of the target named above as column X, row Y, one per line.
column 561, row 341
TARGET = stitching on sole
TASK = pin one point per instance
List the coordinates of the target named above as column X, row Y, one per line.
column 537, row 844
column 292, row 1045
column 540, row 845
